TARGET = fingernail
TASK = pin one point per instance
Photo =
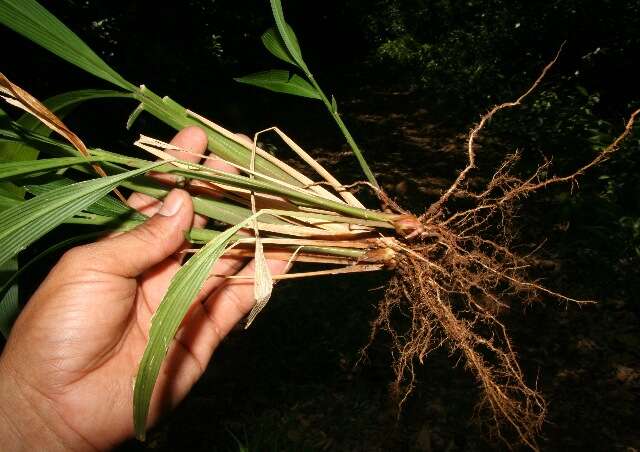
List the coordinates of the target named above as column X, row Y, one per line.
column 171, row 204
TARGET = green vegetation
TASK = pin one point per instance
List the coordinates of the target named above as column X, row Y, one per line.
column 454, row 59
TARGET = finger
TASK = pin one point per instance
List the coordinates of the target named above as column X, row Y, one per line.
column 211, row 321
column 133, row 252
column 190, row 138
column 214, row 162
column 145, row 204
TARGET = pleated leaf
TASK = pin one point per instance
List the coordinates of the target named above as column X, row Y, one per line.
column 281, row 82
column 10, row 196
column 8, row 200
column 10, row 170
column 33, row 21
column 273, row 43
column 288, row 36
column 183, row 289
column 21, row 225
column 108, row 206
column 9, row 302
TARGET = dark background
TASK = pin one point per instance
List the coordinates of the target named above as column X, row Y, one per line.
column 411, row 77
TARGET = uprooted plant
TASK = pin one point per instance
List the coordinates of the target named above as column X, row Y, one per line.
column 444, row 262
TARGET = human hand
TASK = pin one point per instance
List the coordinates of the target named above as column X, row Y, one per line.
column 67, row 370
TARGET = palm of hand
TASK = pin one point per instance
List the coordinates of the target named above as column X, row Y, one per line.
column 77, row 345
column 90, row 351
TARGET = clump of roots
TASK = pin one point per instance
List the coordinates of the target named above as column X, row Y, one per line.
column 451, row 289
column 452, row 284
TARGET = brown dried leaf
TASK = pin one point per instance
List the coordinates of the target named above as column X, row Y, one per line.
column 20, row 98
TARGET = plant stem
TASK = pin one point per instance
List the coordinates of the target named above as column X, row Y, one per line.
column 201, row 172
column 338, row 119
column 173, row 114
column 247, row 183
column 198, row 235
column 116, row 224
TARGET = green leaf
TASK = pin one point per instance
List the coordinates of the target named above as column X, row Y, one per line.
column 9, row 303
column 281, row 82
column 21, row 225
column 288, row 36
column 216, row 209
column 108, row 206
column 135, row 114
column 10, row 195
column 61, row 104
column 31, row 20
column 183, row 289
column 14, row 151
column 274, row 44
column 8, row 198
column 10, row 170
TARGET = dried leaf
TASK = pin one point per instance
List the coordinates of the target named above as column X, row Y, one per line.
column 262, row 283
column 18, row 97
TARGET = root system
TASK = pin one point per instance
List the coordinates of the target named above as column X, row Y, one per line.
column 451, row 285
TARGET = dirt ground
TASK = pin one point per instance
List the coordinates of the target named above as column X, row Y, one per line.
column 292, row 382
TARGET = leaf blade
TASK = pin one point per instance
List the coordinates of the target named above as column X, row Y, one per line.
column 288, row 36
column 183, row 288
column 21, row 225
column 106, row 206
column 281, row 81
column 9, row 302
column 32, row 20
column 273, row 42
column 61, row 105
column 10, row 169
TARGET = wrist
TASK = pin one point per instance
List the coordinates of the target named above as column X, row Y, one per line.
column 28, row 421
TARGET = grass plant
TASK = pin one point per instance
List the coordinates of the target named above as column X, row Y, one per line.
column 445, row 261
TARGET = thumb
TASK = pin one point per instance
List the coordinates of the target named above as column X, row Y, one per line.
column 134, row 252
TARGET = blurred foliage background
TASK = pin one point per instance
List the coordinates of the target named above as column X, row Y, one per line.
column 412, row 76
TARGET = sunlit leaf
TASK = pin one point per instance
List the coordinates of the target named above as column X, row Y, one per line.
column 33, row 21
column 281, row 82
